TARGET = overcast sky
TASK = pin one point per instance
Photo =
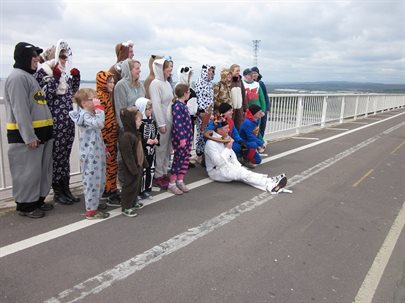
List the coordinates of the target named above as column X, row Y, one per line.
column 301, row 41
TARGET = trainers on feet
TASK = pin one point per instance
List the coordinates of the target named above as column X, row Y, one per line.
column 46, row 207
column 145, row 196
column 182, row 187
column 113, row 201
column 102, row 206
column 279, row 184
column 138, row 205
column 129, row 212
column 35, row 214
column 174, row 190
column 97, row 215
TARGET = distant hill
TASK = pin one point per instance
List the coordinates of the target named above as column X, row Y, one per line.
column 335, row 86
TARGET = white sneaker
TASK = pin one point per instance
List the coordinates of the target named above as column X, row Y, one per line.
column 261, row 149
column 276, row 183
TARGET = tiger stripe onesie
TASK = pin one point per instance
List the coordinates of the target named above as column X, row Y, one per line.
column 110, row 130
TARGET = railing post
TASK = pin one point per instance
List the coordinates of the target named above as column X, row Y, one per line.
column 342, row 110
column 356, row 108
column 300, row 111
column 324, row 109
column 375, row 104
column 367, row 103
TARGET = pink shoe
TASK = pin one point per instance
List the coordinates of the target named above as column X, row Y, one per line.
column 174, row 190
column 161, row 182
column 182, row 187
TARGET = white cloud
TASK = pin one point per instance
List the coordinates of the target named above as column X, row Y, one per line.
column 300, row 40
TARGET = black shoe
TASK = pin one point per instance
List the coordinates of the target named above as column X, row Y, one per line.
column 46, row 207
column 35, row 214
column 59, row 195
column 114, row 199
column 66, row 190
column 113, row 202
column 102, row 206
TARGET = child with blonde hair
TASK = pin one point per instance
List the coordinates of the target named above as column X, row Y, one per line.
column 150, row 138
column 90, row 119
column 182, row 140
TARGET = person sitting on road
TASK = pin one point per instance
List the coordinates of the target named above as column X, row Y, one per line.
column 239, row 145
column 249, row 132
column 223, row 166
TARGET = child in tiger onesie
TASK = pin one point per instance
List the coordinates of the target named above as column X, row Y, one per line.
column 104, row 87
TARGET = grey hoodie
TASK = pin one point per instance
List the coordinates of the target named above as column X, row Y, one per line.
column 161, row 95
column 125, row 94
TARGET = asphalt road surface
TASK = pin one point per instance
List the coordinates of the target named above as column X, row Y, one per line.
column 337, row 238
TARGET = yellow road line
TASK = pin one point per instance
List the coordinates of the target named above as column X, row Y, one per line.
column 398, row 147
column 362, row 178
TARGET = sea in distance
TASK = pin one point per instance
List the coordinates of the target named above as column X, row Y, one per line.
column 322, row 87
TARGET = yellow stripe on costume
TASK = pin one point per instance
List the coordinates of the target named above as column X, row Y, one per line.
column 35, row 124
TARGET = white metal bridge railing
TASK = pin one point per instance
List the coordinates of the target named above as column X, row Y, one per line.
column 290, row 114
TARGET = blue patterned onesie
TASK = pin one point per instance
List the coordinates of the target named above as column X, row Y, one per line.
column 182, row 130
column 92, row 154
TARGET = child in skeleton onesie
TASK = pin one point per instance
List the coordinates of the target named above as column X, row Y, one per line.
column 150, row 138
column 223, row 165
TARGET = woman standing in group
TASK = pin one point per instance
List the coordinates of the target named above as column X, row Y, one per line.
column 59, row 87
column 126, row 92
column 129, row 88
column 161, row 95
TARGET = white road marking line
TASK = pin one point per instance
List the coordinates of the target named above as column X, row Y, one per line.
column 373, row 277
column 123, row 270
column 355, row 122
column 304, row 138
column 336, row 128
column 59, row 232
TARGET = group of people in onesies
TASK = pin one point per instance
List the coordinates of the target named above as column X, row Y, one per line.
column 133, row 135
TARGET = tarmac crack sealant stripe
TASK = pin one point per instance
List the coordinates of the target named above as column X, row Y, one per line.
column 125, row 269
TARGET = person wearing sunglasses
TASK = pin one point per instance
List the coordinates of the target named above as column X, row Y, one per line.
column 60, row 82
column 29, row 134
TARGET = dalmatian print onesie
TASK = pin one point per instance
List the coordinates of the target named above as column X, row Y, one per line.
column 204, row 89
